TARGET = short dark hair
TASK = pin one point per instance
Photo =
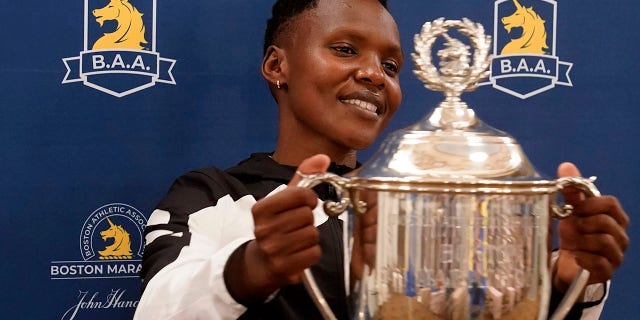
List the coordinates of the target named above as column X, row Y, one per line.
column 282, row 12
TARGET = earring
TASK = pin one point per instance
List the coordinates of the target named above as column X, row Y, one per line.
column 278, row 84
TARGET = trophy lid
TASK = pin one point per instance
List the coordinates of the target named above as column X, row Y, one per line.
column 451, row 143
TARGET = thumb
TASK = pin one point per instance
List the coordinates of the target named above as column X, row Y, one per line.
column 571, row 195
column 568, row 169
column 314, row 164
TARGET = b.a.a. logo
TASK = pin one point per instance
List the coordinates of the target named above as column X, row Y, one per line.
column 111, row 245
column 525, row 62
column 119, row 56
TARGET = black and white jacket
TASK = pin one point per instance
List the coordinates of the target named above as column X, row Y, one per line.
column 205, row 216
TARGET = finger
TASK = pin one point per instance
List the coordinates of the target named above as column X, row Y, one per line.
column 369, row 224
column 568, row 169
column 292, row 242
column 314, row 164
column 284, row 222
column 571, row 195
column 604, row 225
column 292, row 266
column 291, row 198
column 600, row 268
column 604, row 205
column 602, row 245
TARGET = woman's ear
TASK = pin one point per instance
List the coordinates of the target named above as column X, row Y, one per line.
column 274, row 67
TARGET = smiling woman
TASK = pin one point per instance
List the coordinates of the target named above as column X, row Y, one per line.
column 232, row 244
column 339, row 66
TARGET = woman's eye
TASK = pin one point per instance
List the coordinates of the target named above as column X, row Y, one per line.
column 390, row 66
column 344, row 50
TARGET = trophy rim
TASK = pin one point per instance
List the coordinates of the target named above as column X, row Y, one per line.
column 408, row 185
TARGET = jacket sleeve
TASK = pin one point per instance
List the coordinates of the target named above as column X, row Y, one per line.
column 593, row 302
column 189, row 238
column 589, row 307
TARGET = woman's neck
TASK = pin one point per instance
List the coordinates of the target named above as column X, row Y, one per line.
column 293, row 156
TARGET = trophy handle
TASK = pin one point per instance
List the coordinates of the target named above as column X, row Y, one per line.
column 580, row 282
column 332, row 209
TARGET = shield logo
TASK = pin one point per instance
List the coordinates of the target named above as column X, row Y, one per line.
column 119, row 56
column 525, row 62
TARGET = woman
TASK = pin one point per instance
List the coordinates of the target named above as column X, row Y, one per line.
column 232, row 244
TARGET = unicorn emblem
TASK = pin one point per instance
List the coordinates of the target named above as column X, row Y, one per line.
column 129, row 33
column 121, row 247
column 534, row 35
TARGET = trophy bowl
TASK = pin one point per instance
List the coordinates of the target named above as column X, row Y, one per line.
column 449, row 219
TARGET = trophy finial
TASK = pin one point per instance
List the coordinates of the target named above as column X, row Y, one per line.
column 456, row 74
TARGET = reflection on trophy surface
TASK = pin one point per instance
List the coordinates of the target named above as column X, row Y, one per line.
column 448, row 258
column 449, row 219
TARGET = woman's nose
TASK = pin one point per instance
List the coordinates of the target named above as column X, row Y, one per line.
column 371, row 73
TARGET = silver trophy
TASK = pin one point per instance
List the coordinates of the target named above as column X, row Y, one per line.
column 449, row 219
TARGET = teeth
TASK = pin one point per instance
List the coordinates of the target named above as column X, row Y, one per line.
column 362, row 105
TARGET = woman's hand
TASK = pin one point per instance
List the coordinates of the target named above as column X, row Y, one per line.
column 594, row 237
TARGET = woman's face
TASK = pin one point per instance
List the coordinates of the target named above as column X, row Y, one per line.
column 342, row 60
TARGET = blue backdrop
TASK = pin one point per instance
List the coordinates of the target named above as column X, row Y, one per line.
column 89, row 135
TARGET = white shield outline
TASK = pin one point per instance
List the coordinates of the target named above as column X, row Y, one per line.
column 560, row 65
column 71, row 62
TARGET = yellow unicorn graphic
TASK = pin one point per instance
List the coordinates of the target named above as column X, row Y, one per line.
column 121, row 247
column 129, row 33
column 534, row 35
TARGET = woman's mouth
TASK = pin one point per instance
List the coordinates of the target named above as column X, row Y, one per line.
column 366, row 106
